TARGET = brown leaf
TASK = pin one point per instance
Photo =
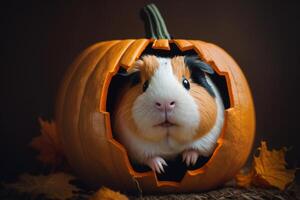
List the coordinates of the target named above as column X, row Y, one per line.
column 53, row 186
column 268, row 170
column 48, row 144
column 108, row 194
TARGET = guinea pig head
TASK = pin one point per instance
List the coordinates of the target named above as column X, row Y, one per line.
column 172, row 99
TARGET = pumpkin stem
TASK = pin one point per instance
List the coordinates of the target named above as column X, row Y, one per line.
column 154, row 23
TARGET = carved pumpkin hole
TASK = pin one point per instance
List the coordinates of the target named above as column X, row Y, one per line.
column 220, row 82
column 176, row 169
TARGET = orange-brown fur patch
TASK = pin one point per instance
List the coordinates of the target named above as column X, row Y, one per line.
column 150, row 66
column 147, row 65
column 207, row 108
column 179, row 68
column 123, row 108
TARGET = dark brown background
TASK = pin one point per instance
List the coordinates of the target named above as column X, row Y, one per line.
column 40, row 40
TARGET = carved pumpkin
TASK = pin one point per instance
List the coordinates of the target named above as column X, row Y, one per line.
column 85, row 127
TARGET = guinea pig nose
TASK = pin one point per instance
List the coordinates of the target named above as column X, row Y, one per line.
column 167, row 106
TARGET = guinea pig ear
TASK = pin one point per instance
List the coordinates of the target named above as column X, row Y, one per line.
column 136, row 67
column 194, row 63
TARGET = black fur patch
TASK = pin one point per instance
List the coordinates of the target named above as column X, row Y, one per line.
column 198, row 70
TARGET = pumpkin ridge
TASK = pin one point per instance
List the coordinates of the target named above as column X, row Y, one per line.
column 85, row 151
column 66, row 81
column 68, row 120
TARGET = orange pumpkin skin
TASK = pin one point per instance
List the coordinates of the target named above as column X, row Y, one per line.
column 85, row 128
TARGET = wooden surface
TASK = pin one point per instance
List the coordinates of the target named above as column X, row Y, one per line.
column 293, row 193
column 232, row 193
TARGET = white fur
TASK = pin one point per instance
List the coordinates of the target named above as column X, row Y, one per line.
column 164, row 86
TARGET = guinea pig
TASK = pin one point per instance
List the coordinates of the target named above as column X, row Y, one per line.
column 173, row 109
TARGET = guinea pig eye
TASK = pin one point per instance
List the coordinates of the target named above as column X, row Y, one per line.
column 145, row 86
column 186, row 83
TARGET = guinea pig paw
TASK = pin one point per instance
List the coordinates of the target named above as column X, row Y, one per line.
column 190, row 156
column 156, row 164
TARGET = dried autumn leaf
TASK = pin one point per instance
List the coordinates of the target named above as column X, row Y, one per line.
column 108, row 194
column 48, row 144
column 268, row 170
column 53, row 186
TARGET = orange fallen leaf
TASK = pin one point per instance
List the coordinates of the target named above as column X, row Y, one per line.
column 270, row 167
column 268, row 170
column 108, row 194
column 48, row 144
